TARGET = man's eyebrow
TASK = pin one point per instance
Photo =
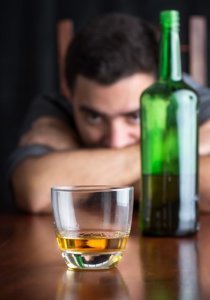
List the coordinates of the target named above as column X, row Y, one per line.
column 132, row 112
column 87, row 109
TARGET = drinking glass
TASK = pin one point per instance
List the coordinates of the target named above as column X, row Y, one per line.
column 92, row 224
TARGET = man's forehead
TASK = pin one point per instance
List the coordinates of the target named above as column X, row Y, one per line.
column 121, row 96
column 139, row 80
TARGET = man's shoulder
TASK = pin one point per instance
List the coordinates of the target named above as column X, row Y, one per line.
column 195, row 85
column 51, row 105
column 53, row 99
column 204, row 98
column 48, row 105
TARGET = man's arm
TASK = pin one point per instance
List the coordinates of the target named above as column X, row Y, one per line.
column 204, row 167
column 33, row 178
column 204, row 183
column 73, row 166
column 69, row 164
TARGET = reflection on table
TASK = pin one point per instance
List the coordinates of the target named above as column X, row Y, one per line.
column 92, row 285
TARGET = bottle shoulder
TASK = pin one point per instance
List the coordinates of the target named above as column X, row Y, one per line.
column 166, row 88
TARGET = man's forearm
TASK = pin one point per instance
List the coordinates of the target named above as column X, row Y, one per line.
column 33, row 178
column 204, row 183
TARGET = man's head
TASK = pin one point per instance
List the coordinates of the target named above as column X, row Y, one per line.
column 109, row 63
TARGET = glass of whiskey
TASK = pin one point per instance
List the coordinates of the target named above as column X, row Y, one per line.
column 92, row 224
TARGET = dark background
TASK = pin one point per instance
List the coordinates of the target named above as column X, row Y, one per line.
column 28, row 56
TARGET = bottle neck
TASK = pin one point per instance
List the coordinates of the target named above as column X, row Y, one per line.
column 170, row 55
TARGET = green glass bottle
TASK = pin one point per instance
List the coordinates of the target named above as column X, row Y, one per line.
column 169, row 144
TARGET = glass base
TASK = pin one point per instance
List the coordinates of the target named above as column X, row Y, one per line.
column 91, row 261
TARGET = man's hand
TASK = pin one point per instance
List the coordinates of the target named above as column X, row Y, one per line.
column 204, row 139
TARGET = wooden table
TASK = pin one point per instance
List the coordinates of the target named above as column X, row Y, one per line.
column 152, row 268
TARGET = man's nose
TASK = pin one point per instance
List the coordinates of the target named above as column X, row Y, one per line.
column 118, row 135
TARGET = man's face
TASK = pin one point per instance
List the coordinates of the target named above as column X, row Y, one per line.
column 108, row 116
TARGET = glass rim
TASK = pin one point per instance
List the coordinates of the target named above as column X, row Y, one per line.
column 89, row 188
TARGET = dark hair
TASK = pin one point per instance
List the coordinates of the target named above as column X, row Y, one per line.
column 112, row 47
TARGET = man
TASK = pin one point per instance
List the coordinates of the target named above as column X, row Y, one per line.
column 93, row 137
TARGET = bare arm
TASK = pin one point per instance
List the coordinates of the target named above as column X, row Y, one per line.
column 204, row 167
column 204, row 183
column 33, row 177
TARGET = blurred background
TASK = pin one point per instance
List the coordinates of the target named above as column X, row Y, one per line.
column 29, row 54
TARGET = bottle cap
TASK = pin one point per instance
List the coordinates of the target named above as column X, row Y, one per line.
column 169, row 18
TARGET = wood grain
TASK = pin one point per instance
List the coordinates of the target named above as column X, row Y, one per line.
column 31, row 266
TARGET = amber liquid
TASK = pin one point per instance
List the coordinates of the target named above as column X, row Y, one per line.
column 166, row 209
column 92, row 250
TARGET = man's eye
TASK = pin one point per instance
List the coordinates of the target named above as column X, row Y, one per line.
column 93, row 118
column 134, row 118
